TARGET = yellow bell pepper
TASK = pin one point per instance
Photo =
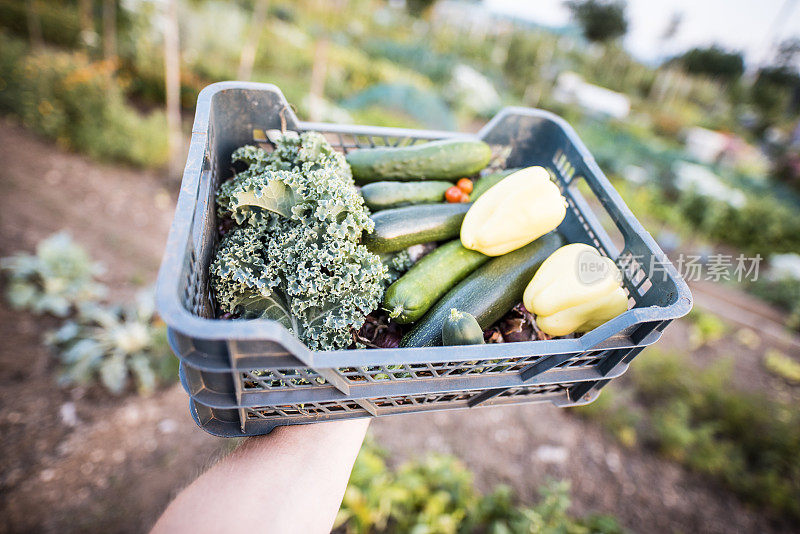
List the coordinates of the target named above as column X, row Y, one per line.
column 521, row 207
column 575, row 290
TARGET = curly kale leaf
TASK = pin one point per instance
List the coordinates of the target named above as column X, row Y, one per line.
column 297, row 258
column 244, row 280
column 317, row 286
column 396, row 265
column 249, row 195
column 309, row 150
column 317, row 190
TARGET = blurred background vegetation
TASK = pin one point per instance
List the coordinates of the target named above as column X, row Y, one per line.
column 704, row 148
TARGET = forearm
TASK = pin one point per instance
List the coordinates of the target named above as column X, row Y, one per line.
column 291, row 480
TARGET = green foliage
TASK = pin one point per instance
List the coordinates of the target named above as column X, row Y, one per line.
column 419, row 8
column 523, row 60
column 435, row 495
column 765, row 225
column 414, row 55
column 380, row 116
column 773, row 90
column 58, row 19
column 696, row 417
column 57, row 278
column 109, row 342
column 12, row 53
column 81, row 104
column 601, row 20
column 297, row 258
column 782, row 365
column 396, row 264
column 706, row 327
column 349, row 71
column 421, row 106
column 615, row 412
column 112, row 343
column 713, row 61
column 783, row 292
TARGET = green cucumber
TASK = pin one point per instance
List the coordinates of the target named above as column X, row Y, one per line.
column 399, row 228
column 446, row 159
column 415, row 292
column 487, row 181
column 461, row 328
column 487, row 293
column 383, row 195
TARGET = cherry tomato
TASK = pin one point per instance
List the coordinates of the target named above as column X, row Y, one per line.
column 465, row 184
column 453, row 194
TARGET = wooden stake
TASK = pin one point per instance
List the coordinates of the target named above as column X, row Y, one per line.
column 172, row 79
column 248, row 57
column 110, row 29
column 34, row 24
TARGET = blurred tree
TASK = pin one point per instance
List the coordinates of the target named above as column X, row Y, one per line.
column 713, row 61
column 87, row 21
column 788, row 52
column 34, row 24
column 110, row 29
column 672, row 27
column 419, row 8
column 172, row 79
column 601, row 20
column 776, row 90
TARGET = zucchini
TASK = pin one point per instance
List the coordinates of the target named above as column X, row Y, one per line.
column 399, row 228
column 487, row 293
column 446, row 159
column 415, row 292
column 461, row 328
column 383, row 195
column 487, row 181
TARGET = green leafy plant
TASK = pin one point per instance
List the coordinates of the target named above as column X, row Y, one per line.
column 783, row 292
column 436, row 495
column 108, row 342
column 113, row 343
column 600, row 20
column 782, row 365
column 296, row 258
column 706, row 327
column 697, row 417
column 79, row 103
column 59, row 276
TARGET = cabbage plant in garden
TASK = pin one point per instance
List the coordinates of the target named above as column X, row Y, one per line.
column 58, row 277
column 114, row 343
column 106, row 341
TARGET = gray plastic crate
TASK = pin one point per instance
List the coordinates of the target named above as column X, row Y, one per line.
column 246, row 377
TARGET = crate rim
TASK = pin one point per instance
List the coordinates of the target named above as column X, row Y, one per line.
column 182, row 320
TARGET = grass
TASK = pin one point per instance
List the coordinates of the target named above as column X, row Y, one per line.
column 782, row 366
column 436, row 495
column 697, row 418
column 706, row 328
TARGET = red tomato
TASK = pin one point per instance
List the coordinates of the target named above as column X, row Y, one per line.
column 465, row 184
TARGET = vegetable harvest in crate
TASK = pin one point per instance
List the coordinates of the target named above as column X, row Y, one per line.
column 305, row 250
column 317, row 272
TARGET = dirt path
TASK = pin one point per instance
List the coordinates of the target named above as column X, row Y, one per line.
column 81, row 461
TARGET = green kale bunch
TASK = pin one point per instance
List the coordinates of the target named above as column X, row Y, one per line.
column 295, row 255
